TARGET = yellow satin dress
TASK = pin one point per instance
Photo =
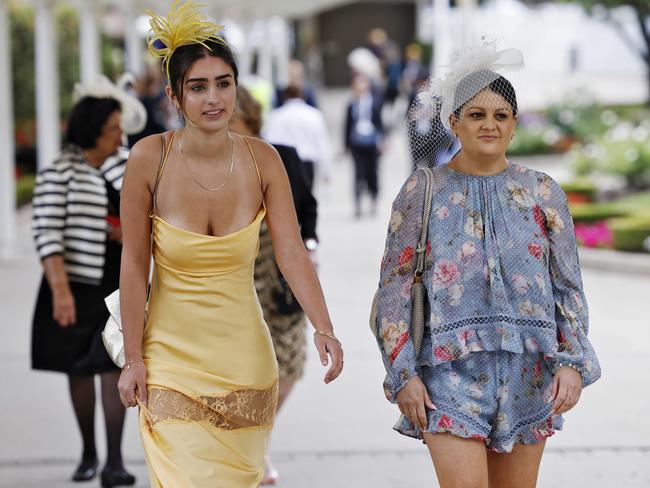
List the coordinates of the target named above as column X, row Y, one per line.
column 212, row 376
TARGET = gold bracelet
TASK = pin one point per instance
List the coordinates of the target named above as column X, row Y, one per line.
column 328, row 334
column 128, row 364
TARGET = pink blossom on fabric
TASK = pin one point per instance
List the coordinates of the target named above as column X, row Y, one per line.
column 445, row 273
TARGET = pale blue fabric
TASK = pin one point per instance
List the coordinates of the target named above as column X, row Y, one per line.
column 502, row 274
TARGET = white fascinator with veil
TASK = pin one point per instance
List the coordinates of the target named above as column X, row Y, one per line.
column 472, row 70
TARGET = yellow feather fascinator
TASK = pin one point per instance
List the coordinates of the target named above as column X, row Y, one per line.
column 183, row 25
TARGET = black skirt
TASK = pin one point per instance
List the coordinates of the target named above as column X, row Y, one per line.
column 78, row 349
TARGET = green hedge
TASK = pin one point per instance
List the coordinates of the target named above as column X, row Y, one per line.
column 585, row 188
column 25, row 189
column 630, row 233
column 592, row 212
column 530, row 140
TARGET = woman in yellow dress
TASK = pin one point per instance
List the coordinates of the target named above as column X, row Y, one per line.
column 201, row 366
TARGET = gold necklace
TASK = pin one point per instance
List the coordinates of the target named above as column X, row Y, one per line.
column 232, row 164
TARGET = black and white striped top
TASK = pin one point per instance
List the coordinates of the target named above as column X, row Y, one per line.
column 70, row 206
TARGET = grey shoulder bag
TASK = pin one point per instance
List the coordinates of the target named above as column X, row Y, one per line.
column 418, row 289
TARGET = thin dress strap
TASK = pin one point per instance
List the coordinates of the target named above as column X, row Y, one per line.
column 259, row 177
column 163, row 161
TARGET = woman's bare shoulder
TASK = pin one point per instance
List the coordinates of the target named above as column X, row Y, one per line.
column 263, row 150
column 144, row 157
column 268, row 159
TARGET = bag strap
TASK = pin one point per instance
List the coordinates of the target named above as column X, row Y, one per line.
column 421, row 248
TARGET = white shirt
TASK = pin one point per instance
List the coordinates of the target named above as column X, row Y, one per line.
column 302, row 126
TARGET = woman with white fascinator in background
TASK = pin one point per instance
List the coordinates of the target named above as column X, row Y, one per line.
column 480, row 314
column 76, row 228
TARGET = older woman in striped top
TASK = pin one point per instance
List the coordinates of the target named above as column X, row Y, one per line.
column 77, row 234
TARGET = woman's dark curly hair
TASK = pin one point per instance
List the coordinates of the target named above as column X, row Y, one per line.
column 87, row 120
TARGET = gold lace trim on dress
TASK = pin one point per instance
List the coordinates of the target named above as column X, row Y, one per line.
column 238, row 409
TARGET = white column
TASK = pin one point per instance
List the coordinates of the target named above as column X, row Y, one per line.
column 89, row 50
column 245, row 55
column 442, row 36
column 47, row 85
column 467, row 9
column 133, row 43
column 280, row 39
column 7, row 163
column 265, row 54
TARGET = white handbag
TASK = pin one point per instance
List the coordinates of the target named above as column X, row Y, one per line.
column 112, row 336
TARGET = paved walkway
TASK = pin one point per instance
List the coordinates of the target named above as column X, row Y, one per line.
column 340, row 435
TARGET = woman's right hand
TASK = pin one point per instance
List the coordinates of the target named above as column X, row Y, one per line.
column 412, row 400
column 63, row 307
column 132, row 385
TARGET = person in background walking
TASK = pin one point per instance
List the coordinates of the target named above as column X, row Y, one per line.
column 297, row 124
column 363, row 138
column 282, row 312
column 297, row 78
column 76, row 228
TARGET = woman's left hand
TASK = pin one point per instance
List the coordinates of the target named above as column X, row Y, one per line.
column 327, row 345
column 567, row 388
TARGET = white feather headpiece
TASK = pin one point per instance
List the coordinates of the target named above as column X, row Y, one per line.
column 482, row 58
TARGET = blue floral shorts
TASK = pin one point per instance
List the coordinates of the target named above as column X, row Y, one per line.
column 498, row 397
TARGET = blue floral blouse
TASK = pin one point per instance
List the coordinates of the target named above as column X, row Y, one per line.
column 501, row 273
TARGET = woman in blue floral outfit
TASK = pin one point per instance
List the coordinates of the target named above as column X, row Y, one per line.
column 505, row 349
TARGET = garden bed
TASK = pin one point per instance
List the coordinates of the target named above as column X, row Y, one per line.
column 622, row 224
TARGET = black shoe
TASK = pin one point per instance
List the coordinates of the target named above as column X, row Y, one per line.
column 116, row 477
column 86, row 471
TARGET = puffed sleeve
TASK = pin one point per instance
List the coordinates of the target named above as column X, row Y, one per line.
column 49, row 212
column 393, row 299
column 571, row 314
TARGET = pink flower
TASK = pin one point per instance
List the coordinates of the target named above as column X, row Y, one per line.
column 406, row 256
column 441, row 352
column 445, row 273
column 405, row 292
column 442, row 213
column 521, row 283
column 535, row 249
column 539, row 218
column 411, row 184
column 457, row 198
column 445, row 423
column 594, row 235
column 468, row 249
column 544, row 190
column 455, row 294
column 578, row 299
column 401, row 341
